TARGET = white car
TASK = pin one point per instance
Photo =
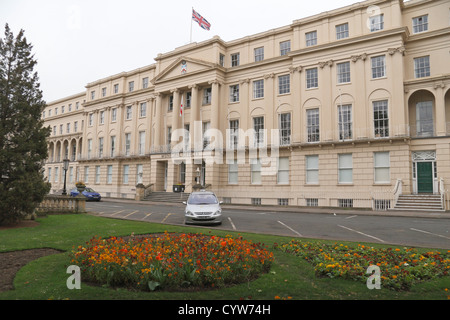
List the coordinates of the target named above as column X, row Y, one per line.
column 203, row 207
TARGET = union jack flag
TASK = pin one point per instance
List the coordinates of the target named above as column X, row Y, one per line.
column 202, row 22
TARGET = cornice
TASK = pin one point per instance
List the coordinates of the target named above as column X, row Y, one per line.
column 402, row 31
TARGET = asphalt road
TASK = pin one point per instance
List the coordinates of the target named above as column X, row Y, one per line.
column 431, row 231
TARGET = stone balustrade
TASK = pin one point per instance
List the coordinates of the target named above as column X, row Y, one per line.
column 62, row 204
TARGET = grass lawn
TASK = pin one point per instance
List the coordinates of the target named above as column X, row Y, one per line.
column 290, row 277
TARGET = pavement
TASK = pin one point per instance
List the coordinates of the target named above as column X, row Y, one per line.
column 327, row 210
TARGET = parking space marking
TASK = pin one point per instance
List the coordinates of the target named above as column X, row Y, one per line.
column 232, row 224
column 351, row 217
column 168, row 215
column 148, row 215
column 433, row 234
column 117, row 212
column 130, row 214
column 290, row 229
column 364, row 234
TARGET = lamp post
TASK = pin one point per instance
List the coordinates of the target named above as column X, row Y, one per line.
column 65, row 167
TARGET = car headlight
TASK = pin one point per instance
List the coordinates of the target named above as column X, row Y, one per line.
column 217, row 213
column 189, row 213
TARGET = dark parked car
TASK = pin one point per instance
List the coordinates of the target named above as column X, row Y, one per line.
column 89, row 193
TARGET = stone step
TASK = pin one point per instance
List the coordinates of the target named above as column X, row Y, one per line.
column 173, row 197
column 419, row 203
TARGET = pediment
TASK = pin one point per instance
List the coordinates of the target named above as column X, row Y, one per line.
column 181, row 67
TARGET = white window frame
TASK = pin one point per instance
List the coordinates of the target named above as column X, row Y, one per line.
column 312, row 169
column 283, row 170
column 378, row 64
column 233, row 172
column 311, row 38
column 258, row 89
column 343, row 167
column 312, row 78
column 284, row 84
column 343, row 72
column 382, row 167
column 255, row 169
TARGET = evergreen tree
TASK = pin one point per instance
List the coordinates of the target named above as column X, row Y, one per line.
column 23, row 146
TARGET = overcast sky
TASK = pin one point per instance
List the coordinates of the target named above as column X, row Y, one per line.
column 81, row 41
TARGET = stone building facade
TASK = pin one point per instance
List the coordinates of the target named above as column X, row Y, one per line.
column 348, row 108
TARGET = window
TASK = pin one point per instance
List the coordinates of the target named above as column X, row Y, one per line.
column 311, row 38
column 89, row 148
column 131, row 86
column 75, row 126
column 378, row 67
column 312, row 169
column 222, row 60
column 259, row 54
column 126, row 171
column 145, row 83
column 71, row 175
column 97, row 174
column 256, row 201
column 86, row 175
column 422, row 67
column 169, row 135
column 342, row 31
column 312, row 79
column 206, row 137
column 129, row 113
column 100, row 147
column 255, row 168
column 116, row 88
column 312, row 202
column 60, row 129
column 382, row 167
column 345, row 122
column 103, row 92
column 49, row 174
column 258, row 89
column 143, row 110
column 139, row 173
column 234, row 134
column 114, row 115
column 283, row 171
column 92, row 95
column 258, row 127
column 91, row 119
column 284, row 84
column 170, row 109
column 345, row 168
column 285, row 47
column 343, row 72
column 376, row 23
column 381, row 119
column 63, row 109
column 70, row 107
column 56, row 174
column 424, row 119
column 313, row 125
column 127, row 143
column 420, row 24
column 109, row 175
column 345, row 203
column 141, row 143
column 234, row 93
column 188, row 99
column 233, row 172
column 113, row 146
column 207, row 96
column 235, row 59
column 284, row 123
column 68, row 128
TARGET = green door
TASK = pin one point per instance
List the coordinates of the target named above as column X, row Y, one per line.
column 425, row 177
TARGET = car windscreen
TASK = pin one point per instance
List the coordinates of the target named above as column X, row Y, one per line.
column 89, row 190
column 202, row 199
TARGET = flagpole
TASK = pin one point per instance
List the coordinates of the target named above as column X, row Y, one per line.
column 191, row 24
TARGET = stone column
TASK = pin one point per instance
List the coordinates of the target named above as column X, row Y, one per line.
column 175, row 112
column 158, row 121
column 441, row 124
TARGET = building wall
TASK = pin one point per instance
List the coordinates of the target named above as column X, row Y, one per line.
column 329, row 44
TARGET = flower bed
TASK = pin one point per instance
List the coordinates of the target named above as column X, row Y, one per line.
column 171, row 261
column 400, row 268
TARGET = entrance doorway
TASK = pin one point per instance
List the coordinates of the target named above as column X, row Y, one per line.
column 425, row 177
column 424, row 172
